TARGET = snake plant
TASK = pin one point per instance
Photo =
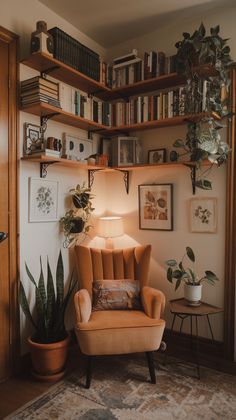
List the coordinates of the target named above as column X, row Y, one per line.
column 50, row 304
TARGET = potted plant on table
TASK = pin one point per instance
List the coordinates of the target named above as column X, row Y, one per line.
column 204, row 61
column 75, row 221
column 192, row 282
column 50, row 341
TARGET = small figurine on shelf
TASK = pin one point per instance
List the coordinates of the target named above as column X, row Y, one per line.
column 41, row 40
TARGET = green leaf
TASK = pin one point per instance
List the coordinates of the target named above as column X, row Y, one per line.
column 50, row 296
column 171, row 263
column 186, row 35
column 193, row 275
column 211, row 276
column 190, row 254
column 177, row 274
column 202, row 30
column 177, row 284
column 214, row 31
column 60, row 280
column 178, row 143
column 204, row 184
column 181, row 266
column 169, row 274
column 41, row 285
column 30, row 275
column 24, row 305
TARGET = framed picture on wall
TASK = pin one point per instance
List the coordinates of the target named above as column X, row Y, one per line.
column 43, row 200
column 156, row 206
column 203, row 215
column 157, row 156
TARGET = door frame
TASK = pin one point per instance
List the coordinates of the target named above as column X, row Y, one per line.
column 14, row 337
column 230, row 232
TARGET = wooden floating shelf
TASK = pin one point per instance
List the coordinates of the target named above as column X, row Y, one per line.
column 57, row 114
column 45, row 63
column 61, row 161
column 165, row 122
column 73, row 163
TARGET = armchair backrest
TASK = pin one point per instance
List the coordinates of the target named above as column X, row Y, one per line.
column 106, row 264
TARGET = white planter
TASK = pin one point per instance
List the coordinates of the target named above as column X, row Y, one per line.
column 193, row 294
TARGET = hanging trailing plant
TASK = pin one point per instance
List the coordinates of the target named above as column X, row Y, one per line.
column 75, row 221
column 204, row 61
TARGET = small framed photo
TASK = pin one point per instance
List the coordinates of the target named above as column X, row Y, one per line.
column 203, row 215
column 43, row 200
column 33, row 139
column 156, row 206
column 157, row 156
column 124, row 151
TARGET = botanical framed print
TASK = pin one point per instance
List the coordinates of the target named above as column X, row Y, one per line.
column 43, row 200
column 203, row 215
column 157, row 156
column 156, row 206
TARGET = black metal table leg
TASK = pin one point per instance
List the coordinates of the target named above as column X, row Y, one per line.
column 171, row 331
column 191, row 332
column 212, row 336
column 197, row 348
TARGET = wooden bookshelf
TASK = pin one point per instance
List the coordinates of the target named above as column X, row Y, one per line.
column 56, row 114
column 44, row 63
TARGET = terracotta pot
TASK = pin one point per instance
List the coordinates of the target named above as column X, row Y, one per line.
column 49, row 360
column 193, row 294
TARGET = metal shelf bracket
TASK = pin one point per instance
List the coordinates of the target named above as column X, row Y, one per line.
column 91, row 173
column 43, row 168
column 126, row 178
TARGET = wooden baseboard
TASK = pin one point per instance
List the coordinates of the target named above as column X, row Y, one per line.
column 211, row 354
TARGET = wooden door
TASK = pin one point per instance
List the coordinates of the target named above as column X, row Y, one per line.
column 8, row 202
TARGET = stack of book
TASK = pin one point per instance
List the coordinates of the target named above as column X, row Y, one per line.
column 39, row 89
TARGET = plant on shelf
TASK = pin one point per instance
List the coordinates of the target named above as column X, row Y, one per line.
column 75, row 221
column 204, row 61
column 192, row 282
column 50, row 341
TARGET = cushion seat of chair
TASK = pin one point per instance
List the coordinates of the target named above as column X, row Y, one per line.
column 103, row 320
column 119, row 332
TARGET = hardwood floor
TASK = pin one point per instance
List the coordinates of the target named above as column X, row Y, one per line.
column 19, row 390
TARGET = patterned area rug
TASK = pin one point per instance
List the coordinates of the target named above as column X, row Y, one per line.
column 120, row 390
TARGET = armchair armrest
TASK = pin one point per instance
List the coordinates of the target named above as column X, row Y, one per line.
column 153, row 301
column 83, row 306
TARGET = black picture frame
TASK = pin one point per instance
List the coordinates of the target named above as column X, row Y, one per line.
column 156, row 207
column 156, row 156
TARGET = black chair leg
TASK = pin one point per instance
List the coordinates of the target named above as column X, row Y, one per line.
column 151, row 366
column 89, row 372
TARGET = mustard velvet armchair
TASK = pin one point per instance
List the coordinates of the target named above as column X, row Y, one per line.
column 111, row 332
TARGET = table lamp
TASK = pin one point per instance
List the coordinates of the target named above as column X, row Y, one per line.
column 110, row 227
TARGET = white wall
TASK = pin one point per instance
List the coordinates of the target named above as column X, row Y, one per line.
column 209, row 248
column 45, row 239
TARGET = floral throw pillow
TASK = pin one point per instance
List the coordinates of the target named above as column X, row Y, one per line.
column 116, row 294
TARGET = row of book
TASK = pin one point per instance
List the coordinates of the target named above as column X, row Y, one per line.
column 85, row 106
column 137, row 110
column 154, row 107
column 130, row 68
column 39, row 89
column 74, row 54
